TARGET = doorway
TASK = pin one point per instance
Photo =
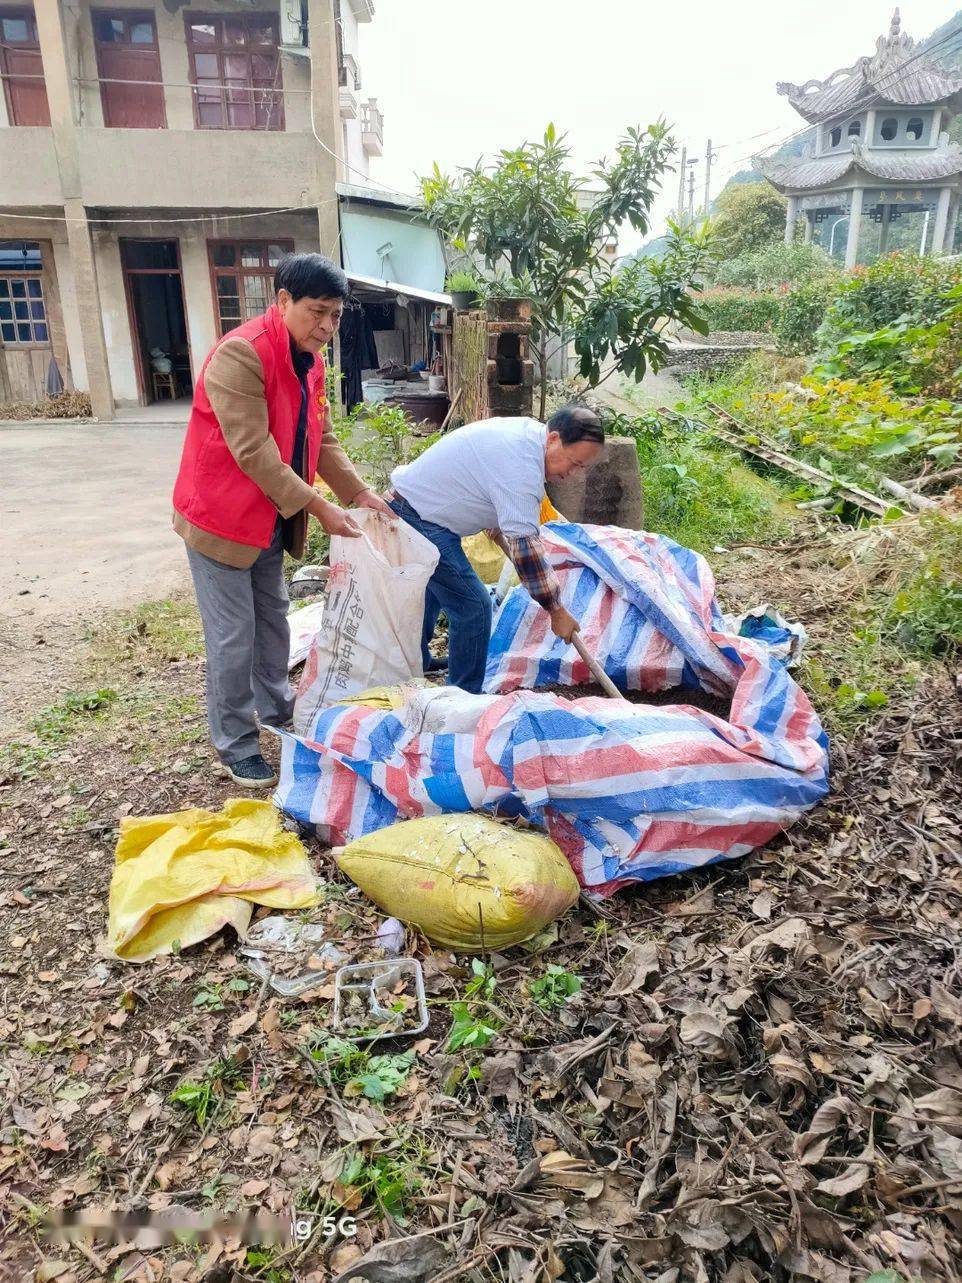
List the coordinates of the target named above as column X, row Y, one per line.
column 158, row 319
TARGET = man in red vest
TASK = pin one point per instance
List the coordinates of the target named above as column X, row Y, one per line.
column 258, row 434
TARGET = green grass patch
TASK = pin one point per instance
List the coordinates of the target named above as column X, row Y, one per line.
column 698, row 493
column 153, row 633
column 53, row 728
column 903, row 613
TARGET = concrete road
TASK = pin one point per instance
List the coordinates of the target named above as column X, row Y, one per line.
column 85, row 519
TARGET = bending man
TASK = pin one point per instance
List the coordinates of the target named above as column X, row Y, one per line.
column 490, row 476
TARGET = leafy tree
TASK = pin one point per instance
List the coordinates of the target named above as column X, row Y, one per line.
column 541, row 231
column 749, row 216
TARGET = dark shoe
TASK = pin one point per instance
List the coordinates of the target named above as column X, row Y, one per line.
column 251, row 772
column 436, row 665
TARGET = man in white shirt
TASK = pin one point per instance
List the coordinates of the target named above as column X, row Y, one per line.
column 490, row 476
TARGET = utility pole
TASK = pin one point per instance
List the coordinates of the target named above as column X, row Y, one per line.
column 709, row 157
column 681, row 183
column 691, row 195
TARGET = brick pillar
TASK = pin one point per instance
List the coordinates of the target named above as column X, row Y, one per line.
column 53, row 51
column 326, row 116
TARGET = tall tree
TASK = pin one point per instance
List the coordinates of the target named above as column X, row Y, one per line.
column 748, row 216
column 529, row 219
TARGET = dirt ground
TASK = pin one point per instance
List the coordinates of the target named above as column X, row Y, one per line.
column 760, row 1078
column 84, row 530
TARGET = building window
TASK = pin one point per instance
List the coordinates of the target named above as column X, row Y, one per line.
column 835, row 137
column 127, row 51
column 914, row 128
column 23, row 84
column 854, row 128
column 23, row 316
column 236, row 70
column 890, row 127
column 242, row 273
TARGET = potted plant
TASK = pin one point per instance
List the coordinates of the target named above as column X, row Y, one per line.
column 506, row 298
column 463, row 288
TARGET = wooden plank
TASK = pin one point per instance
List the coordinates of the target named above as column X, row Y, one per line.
column 771, row 454
column 905, row 497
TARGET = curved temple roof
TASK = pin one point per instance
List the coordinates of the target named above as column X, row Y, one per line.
column 891, row 167
column 896, row 74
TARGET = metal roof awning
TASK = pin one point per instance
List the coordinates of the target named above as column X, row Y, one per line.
column 395, row 287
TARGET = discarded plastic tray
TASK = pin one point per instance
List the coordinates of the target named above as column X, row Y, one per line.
column 277, row 950
column 374, row 983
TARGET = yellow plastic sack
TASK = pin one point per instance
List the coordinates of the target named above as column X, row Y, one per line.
column 448, row 874
column 549, row 512
column 386, row 697
column 183, row 876
column 486, row 558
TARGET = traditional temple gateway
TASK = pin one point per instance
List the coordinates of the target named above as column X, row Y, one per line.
column 880, row 149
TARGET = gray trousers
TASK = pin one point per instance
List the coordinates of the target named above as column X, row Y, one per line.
column 248, row 641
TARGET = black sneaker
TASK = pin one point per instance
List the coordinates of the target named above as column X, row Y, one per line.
column 250, row 772
column 436, row 665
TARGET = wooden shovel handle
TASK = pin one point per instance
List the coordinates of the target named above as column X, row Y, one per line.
column 597, row 672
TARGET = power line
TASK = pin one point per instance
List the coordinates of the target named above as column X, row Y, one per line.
column 146, row 221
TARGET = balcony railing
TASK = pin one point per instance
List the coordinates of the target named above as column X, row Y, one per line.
column 372, row 127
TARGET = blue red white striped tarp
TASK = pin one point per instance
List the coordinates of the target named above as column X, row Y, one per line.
column 630, row 792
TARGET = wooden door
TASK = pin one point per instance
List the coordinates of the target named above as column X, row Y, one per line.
column 127, row 56
column 20, row 57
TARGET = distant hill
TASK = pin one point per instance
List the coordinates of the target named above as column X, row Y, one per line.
column 946, row 42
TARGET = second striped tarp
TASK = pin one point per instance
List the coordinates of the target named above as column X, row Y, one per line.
column 629, row 791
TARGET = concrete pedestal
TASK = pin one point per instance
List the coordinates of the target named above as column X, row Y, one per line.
column 609, row 494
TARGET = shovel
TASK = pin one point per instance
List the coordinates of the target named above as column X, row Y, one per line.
column 597, row 672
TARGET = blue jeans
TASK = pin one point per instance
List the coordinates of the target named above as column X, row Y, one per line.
column 457, row 590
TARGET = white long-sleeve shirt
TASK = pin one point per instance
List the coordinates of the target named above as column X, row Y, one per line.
column 484, row 476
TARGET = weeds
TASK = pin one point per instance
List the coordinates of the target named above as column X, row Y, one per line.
column 384, row 1181
column 698, row 493
column 471, row 1027
column 210, row 997
column 554, row 988
column 205, row 1099
column 54, row 727
column 260, row 1262
column 358, row 1072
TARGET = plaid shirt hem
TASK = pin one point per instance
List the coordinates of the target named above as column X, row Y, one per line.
column 527, row 553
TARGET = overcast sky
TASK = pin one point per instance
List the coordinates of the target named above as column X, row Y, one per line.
column 458, row 79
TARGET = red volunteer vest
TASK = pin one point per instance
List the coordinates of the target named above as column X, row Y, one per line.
column 211, row 491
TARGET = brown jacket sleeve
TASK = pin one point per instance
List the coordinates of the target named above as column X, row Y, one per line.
column 334, row 467
column 234, row 382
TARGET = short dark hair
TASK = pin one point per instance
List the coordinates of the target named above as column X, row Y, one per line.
column 576, row 423
column 310, row 276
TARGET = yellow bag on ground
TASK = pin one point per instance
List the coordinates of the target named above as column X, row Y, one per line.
column 449, row 874
column 486, row 558
column 183, row 876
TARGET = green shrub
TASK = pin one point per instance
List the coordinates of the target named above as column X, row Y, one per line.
column 801, row 312
column 379, row 438
column 926, row 610
column 462, row 282
column 775, row 265
column 739, row 309
column 893, row 287
column 910, row 355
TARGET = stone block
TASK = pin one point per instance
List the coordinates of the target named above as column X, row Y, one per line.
column 608, row 494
